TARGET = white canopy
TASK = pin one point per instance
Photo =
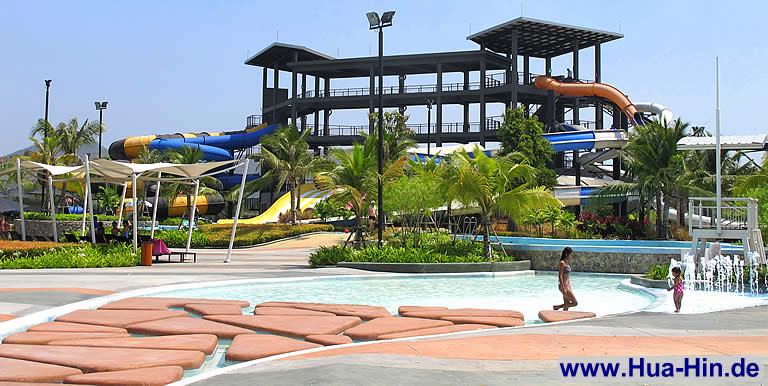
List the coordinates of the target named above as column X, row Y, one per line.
column 53, row 170
column 757, row 142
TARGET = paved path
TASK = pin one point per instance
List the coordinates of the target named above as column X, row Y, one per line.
column 526, row 356
column 281, row 259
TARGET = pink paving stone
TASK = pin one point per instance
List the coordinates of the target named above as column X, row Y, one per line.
column 288, row 311
column 47, row 337
column 28, row 384
column 17, row 370
column 195, row 342
column 362, row 311
column 214, row 309
column 438, row 314
column 99, row 359
column 152, row 376
column 150, row 303
column 498, row 321
column 390, row 325
column 436, row 330
column 291, row 325
column 4, row 317
column 118, row 318
column 403, row 309
column 550, row 316
column 74, row 327
column 250, row 347
column 186, row 326
column 328, row 340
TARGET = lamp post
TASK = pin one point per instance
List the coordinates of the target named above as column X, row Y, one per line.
column 101, row 106
column 47, row 93
column 379, row 24
column 429, row 124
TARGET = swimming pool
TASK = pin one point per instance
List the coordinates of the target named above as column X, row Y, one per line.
column 526, row 292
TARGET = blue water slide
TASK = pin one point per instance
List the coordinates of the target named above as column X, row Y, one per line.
column 572, row 140
column 228, row 181
column 210, row 153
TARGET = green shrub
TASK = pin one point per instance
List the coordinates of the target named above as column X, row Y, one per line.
column 329, row 207
column 658, row 272
column 178, row 238
column 76, row 217
column 77, row 256
column 330, row 255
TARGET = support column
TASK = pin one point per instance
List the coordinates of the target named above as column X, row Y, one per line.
column 598, row 105
column 303, row 95
column 616, row 118
column 439, row 103
column 575, row 77
column 466, row 105
column 317, row 110
column 548, row 66
column 514, row 70
column 616, row 175
column 327, row 113
column 276, row 85
column 371, row 98
column 401, row 89
column 294, row 87
column 264, row 78
column 526, row 81
column 577, row 167
column 482, row 97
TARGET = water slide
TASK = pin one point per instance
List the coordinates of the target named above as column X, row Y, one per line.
column 601, row 90
column 586, row 139
column 309, row 197
column 216, row 146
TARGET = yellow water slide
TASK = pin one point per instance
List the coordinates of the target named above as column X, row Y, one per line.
column 309, row 197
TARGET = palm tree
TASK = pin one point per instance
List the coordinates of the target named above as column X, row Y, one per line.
column 287, row 154
column 495, row 185
column 71, row 134
column 109, row 198
column 171, row 190
column 654, row 168
column 354, row 180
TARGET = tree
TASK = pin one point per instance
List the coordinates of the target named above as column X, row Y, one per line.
column 398, row 138
column 109, row 198
column 495, row 185
column 329, row 207
column 412, row 199
column 654, row 168
column 71, row 134
column 287, row 153
column 525, row 135
column 354, row 180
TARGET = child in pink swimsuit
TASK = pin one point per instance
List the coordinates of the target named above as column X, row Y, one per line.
column 677, row 286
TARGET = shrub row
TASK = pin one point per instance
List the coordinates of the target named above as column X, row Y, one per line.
column 217, row 235
column 76, row 256
column 14, row 249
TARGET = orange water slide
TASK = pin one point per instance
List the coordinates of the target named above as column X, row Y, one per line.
column 602, row 90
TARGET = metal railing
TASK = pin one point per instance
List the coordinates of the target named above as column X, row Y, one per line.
column 492, row 123
column 583, row 123
column 252, row 120
column 735, row 213
column 337, row 130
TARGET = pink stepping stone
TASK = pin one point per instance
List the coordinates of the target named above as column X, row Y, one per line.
column 328, row 340
column 4, row 317
column 117, row 318
column 390, row 325
column 288, row 311
column 28, row 384
column 438, row 314
column 99, row 359
column 298, row 326
column 195, row 342
column 214, row 309
column 403, row 309
column 250, row 347
column 550, row 316
column 362, row 311
column 47, row 337
column 152, row 376
column 165, row 303
column 74, row 327
column 498, row 321
column 17, row 370
column 185, row 326
column 436, row 330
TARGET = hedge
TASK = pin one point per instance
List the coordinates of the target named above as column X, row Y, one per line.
column 75, row 256
column 217, row 235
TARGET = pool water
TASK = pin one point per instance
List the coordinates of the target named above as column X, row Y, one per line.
column 528, row 293
column 672, row 247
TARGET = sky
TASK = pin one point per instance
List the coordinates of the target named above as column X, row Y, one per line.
column 177, row 66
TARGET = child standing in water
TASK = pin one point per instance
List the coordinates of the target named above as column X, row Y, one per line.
column 677, row 286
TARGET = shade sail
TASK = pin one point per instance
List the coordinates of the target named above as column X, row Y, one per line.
column 54, row 170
